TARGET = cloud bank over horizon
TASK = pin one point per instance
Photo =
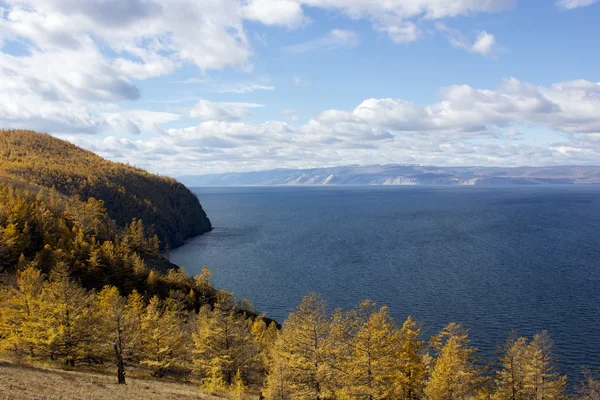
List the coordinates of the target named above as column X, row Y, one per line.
column 183, row 86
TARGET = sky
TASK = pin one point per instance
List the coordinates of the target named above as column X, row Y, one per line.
column 184, row 87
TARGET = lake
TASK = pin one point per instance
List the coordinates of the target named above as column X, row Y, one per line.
column 491, row 258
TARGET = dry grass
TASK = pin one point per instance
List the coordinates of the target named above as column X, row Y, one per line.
column 20, row 383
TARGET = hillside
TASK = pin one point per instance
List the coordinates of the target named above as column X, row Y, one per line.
column 24, row 383
column 403, row 175
column 127, row 192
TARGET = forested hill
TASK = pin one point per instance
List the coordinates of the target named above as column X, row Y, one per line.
column 40, row 159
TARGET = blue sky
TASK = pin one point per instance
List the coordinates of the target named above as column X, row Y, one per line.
column 188, row 86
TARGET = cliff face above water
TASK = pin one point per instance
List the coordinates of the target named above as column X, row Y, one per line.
column 127, row 192
column 403, row 175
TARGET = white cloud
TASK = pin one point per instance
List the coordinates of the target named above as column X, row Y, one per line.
column 242, row 88
column 134, row 122
column 400, row 32
column 399, row 18
column 230, row 87
column 483, row 43
column 513, row 134
column 571, row 4
column 209, row 111
column 275, row 12
column 81, row 55
column 334, row 39
column 466, row 126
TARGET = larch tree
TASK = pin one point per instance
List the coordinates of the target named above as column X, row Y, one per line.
column 301, row 348
column 223, row 344
column 134, row 313
column 510, row 379
column 203, row 284
column 454, row 375
column 278, row 385
column 109, row 306
column 410, row 371
column 162, row 336
column 542, row 381
column 589, row 387
column 68, row 313
column 22, row 323
column 362, row 343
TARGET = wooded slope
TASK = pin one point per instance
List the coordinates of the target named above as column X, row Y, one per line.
column 127, row 192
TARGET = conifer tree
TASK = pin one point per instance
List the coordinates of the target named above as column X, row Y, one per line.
column 542, row 381
column 22, row 322
column 237, row 387
column 410, row 371
column 162, row 337
column 301, row 348
column 67, row 305
column 362, row 343
column 278, row 385
column 134, row 314
column 454, row 375
column 112, row 329
column 589, row 387
column 223, row 340
column 510, row 379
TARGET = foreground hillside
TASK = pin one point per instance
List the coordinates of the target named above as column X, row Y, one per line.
column 403, row 175
column 127, row 192
column 27, row 383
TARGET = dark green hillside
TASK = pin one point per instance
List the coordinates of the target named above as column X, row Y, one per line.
column 127, row 192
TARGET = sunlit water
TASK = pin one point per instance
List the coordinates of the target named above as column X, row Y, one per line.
column 493, row 259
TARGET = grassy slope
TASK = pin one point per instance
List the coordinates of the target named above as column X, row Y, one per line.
column 20, row 383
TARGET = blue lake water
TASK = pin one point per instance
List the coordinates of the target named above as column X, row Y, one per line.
column 493, row 259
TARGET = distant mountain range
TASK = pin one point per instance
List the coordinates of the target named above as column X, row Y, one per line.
column 402, row 175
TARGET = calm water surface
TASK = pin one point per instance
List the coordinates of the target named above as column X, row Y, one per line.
column 493, row 259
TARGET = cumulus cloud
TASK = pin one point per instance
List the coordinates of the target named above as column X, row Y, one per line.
column 399, row 18
column 210, row 111
column 466, row 126
column 335, row 38
column 79, row 60
column 275, row 12
column 76, row 55
column 571, row 4
column 483, row 43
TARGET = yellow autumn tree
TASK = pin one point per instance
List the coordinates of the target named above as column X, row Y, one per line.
column 279, row 383
column 237, row 387
column 134, row 314
column 589, row 387
column 542, row 381
column 223, row 343
column 410, row 371
column 362, row 344
column 511, row 377
column 301, row 349
column 22, row 320
column 162, row 337
column 454, row 375
column 528, row 371
column 264, row 337
column 111, row 329
column 67, row 306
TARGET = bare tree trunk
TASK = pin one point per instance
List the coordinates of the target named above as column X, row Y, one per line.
column 120, row 365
